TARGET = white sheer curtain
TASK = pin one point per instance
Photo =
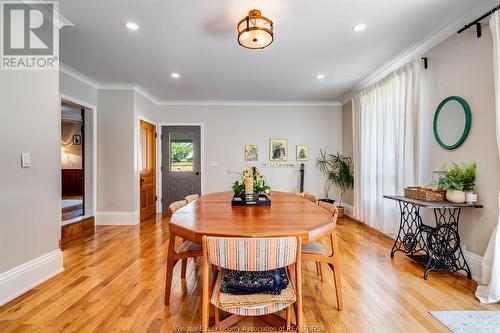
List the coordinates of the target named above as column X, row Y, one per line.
column 489, row 289
column 386, row 141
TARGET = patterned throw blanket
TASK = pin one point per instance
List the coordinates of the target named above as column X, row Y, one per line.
column 245, row 283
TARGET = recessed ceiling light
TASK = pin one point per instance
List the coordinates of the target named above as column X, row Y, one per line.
column 132, row 26
column 175, row 75
column 359, row 27
column 320, row 76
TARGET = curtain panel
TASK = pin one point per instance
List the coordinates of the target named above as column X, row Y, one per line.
column 489, row 289
column 386, row 145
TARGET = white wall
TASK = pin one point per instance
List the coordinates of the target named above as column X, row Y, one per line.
column 228, row 128
column 463, row 66
column 115, row 153
column 30, row 212
column 77, row 89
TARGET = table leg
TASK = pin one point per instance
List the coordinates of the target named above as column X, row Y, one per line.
column 444, row 244
column 170, row 268
column 409, row 239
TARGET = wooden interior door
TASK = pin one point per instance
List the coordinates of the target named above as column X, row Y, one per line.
column 147, row 169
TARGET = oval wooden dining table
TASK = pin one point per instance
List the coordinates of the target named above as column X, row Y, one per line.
column 289, row 215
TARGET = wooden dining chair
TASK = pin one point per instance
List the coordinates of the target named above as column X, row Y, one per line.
column 311, row 197
column 191, row 197
column 297, row 191
column 251, row 254
column 186, row 249
column 317, row 252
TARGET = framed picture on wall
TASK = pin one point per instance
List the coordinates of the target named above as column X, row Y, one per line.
column 251, row 153
column 278, row 149
column 302, row 153
column 77, row 140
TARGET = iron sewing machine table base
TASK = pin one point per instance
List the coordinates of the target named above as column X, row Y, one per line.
column 437, row 248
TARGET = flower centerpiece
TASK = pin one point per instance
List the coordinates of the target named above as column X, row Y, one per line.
column 252, row 183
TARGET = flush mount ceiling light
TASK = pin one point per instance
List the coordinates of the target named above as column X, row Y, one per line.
column 175, row 75
column 255, row 31
column 359, row 27
column 132, row 26
column 320, row 76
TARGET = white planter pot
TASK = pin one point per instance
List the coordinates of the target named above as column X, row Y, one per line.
column 455, row 196
column 470, row 197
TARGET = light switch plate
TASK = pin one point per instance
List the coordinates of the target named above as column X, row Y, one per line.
column 214, row 163
column 25, row 160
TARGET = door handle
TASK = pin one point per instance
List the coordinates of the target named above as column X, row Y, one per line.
column 197, row 173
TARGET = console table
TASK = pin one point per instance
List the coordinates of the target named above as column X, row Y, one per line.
column 437, row 248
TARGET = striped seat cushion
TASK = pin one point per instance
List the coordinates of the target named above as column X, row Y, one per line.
column 252, row 254
column 286, row 298
column 315, row 248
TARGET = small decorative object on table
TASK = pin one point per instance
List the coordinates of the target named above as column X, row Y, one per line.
column 251, row 189
column 425, row 194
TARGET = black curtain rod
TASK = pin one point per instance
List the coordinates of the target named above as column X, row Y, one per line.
column 478, row 20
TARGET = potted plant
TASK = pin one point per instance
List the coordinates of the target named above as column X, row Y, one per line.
column 254, row 180
column 338, row 170
column 459, row 181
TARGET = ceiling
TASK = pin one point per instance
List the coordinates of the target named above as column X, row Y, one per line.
column 197, row 39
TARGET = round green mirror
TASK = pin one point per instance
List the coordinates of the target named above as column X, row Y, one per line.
column 452, row 122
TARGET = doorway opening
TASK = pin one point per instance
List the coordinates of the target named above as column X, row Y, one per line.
column 72, row 161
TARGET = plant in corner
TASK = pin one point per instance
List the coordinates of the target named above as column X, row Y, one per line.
column 459, row 182
column 338, row 170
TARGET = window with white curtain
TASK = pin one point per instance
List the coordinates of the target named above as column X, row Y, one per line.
column 386, row 145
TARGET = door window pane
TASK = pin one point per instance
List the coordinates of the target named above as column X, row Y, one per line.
column 181, row 151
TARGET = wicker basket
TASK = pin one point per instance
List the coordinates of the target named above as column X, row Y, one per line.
column 425, row 194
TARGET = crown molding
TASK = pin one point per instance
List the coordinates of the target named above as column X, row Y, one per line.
column 140, row 90
column 78, row 76
column 245, row 102
column 419, row 49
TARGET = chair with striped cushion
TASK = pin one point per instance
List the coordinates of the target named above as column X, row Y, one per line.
column 251, row 254
column 317, row 252
column 311, row 197
column 186, row 249
column 191, row 197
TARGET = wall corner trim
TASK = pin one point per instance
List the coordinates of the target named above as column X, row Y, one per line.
column 117, row 218
column 22, row 278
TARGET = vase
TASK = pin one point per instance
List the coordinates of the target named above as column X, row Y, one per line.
column 455, row 196
column 470, row 198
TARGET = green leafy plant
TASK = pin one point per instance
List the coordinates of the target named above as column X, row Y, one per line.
column 459, row 177
column 182, row 151
column 338, row 170
column 259, row 182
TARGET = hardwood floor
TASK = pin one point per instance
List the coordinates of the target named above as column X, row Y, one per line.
column 114, row 281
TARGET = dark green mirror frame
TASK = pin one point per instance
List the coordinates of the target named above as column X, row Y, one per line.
column 468, row 118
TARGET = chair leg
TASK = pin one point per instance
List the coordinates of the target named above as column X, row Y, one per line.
column 183, row 268
column 216, row 317
column 289, row 317
column 336, row 272
column 170, row 267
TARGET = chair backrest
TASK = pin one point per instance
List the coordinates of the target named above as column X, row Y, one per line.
column 311, row 197
column 251, row 254
column 191, row 197
column 331, row 208
column 297, row 191
column 176, row 205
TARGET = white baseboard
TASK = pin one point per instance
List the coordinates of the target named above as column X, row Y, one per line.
column 20, row 279
column 348, row 210
column 117, row 218
column 475, row 264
